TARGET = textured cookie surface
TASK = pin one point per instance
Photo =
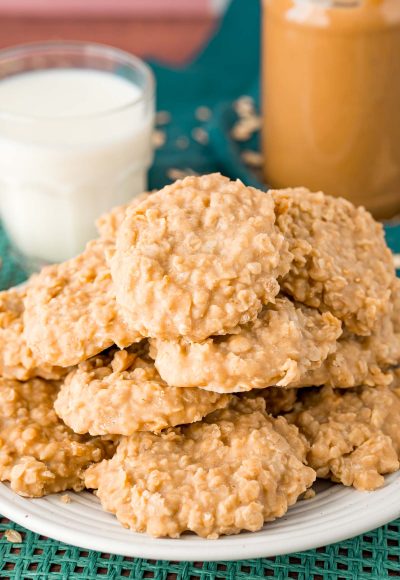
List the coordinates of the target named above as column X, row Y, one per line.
column 108, row 224
column 354, row 434
column 38, row 453
column 70, row 310
column 121, row 393
column 198, row 258
column 16, row 359
column 285, row 342
column 363, row 360
column 341, row 261
column 231, row 472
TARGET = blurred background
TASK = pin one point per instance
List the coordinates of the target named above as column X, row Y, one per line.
column 170, row 30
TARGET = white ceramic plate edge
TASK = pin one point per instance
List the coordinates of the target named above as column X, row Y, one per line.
column 334, row 515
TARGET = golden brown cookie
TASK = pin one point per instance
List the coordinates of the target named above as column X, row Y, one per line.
column 363, row 360
column 70, row 310
column 232, row 471
column 38, row 453
column 108, row 224
column 16, row 359
column 285, row 342
column 121, row 393
column 354, row 434
column 198, row 258
column 341, row 261
column 278, row 400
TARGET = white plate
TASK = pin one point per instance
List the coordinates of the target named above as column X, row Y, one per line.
column 336, row 513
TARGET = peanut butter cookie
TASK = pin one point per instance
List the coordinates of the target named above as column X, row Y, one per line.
column 120, row 393
column 285, row 342
column 38, row 453
column 363, row 360
column 198, row 258
column 108, row 224
column 70, row 310
column 341, row 261
column 354, row 434
column 232, row 471
column 16, row 359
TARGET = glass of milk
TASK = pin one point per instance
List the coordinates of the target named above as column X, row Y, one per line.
column 76, row 121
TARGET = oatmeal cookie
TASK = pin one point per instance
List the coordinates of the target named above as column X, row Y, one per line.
column 38, row 453
column 16, row 358
column 284, row 342
column 278, row 400
column 108, row 224
column 363, row 360
column 354, row 434
column 120, row 393
column 341, row 261
column 70, row 310
column 198, row 258
column 232, row 471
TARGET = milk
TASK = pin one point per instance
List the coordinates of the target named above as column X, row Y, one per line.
column 73, row 143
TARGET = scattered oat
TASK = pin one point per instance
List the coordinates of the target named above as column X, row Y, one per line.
column 158, row 138
column 200, row 135
column 13, row 536
column 163, row 117
column 309, row 494
column 246, row 127
column 396, row 260
column 182, row 142
column 65, row 498
column 244, row 106
column 203, row 113
column 180, row 173
column 252, row 158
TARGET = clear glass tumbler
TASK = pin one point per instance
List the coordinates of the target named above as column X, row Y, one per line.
column 76, row 121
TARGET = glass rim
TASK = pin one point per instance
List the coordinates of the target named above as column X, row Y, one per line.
column 19, row 51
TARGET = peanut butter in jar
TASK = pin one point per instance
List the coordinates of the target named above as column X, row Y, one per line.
column 331, row 98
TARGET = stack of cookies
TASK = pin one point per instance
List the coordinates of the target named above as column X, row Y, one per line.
column 214, row 351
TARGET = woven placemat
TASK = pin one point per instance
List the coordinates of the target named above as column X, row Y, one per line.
column 375, row 555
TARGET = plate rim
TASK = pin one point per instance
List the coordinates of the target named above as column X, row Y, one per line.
column 227, row 548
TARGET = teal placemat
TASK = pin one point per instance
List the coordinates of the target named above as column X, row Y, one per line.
column 375, row 556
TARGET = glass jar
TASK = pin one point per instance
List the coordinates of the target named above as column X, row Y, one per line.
column 76, row 121
column 331, row 98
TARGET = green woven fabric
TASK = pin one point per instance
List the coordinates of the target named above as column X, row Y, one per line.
column 375, row 556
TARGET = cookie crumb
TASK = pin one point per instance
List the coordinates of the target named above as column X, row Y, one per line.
column 158, row 138
column 203, row 113
column 200, row 135
column 13, row 536
column 182, row 142
column 396, row 260
column 245, row 128
column 65, row 498
column 309, row 494
column 244, row 106
column 163, row 117
column 252, row 158
column 180, row 173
